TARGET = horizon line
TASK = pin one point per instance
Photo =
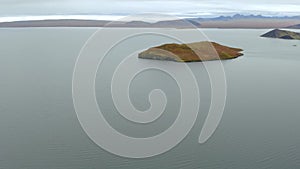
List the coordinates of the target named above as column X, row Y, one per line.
column 115, row 17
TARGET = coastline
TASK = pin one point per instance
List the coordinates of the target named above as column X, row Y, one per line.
column 180, row 24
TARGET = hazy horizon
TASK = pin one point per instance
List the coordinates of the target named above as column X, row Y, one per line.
column 130, row 17
column 189, row 8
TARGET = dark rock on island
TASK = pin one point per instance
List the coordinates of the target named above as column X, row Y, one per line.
column 282, row 34
column 192, row 52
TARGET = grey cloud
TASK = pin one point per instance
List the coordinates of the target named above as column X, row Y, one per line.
column 38, row 7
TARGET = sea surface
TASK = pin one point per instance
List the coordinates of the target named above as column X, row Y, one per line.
column 39, row 127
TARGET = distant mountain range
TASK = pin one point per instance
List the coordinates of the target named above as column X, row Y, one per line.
column 185, row 23
column 235, row 21
column 241, row 17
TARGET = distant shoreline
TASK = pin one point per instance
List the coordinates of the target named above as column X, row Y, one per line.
column 231, row 23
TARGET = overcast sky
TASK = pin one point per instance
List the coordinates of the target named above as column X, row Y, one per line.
column 175, row 7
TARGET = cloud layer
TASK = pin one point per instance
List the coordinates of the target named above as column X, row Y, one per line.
column 176, row 7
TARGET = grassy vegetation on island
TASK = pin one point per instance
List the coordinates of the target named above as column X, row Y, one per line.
column 193, row 52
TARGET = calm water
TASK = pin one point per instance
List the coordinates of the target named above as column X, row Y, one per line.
column 39, row 128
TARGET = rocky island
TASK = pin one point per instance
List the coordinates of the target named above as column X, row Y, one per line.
column 192, row 52
column 282, row 34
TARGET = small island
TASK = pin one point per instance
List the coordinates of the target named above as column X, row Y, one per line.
column 205, row 50
column 282, row 34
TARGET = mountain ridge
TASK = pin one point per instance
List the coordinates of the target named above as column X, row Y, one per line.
column 235, row 21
